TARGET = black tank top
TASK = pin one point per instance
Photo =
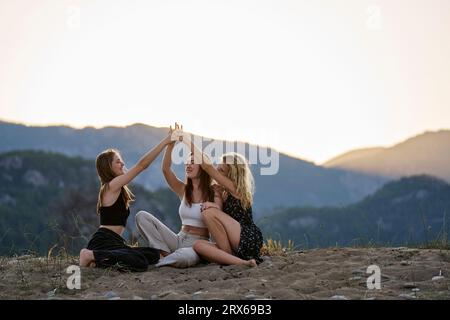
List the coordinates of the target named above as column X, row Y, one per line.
column 115, row 215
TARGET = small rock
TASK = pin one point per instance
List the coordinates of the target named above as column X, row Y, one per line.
column 111, row 294
column 409, row 285
column 166, row 293
column 358, row 272
column 337, row 297
column 198, row 295
column 137, row 298
column 255, row 297
column 415, row 290
column 51, row 293
column 405, row 263
column 407, row 296
column 357, row 278
column 437, row 278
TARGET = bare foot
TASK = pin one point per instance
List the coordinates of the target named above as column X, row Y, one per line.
column 251, row 263
column 86, row 258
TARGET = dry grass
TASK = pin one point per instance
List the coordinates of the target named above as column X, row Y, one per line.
column 275, row 248
column 30, row 273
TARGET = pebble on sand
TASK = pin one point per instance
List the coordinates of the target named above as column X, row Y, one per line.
column 338, row 297
column 408, row 296
column 110, row 295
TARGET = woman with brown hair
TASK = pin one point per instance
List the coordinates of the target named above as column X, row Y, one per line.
column 107, row 248
column 195, row 190
column 238, row 241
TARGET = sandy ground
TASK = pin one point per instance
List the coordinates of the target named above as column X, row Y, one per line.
column 314, row 274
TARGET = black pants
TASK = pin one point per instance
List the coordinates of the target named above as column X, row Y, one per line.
column 110, row 250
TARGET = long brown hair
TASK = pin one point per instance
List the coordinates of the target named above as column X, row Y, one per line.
column 205, row 187
column 105, row 174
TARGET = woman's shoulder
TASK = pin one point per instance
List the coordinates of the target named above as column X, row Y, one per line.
column 232, row 200
column 232, row 196
column 110, row 199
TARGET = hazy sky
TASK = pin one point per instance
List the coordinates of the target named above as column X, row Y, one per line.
column 312, row 78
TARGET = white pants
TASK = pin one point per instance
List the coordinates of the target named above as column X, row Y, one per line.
column 160, row 237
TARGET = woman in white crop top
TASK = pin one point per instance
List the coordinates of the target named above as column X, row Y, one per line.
column 192, row 193
column 192, row 215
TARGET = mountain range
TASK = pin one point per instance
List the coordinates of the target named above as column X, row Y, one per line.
column 410, row 211
column 427, row 153
column 298, row 182
column 48, row 198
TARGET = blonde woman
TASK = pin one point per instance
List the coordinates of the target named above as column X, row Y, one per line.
column 238, row 240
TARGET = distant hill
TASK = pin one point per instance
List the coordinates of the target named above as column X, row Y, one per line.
column 428, row 153
column 298, row 182
column 412, row 210
column 48, row 198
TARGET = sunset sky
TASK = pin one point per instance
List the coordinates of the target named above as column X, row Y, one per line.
column 310, row 78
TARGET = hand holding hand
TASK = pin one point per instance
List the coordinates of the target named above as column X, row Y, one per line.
column 174, row 134
column 177, row 135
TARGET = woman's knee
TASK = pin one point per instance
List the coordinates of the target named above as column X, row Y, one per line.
column 209, row 214
column 199, row 244
column 144, row 216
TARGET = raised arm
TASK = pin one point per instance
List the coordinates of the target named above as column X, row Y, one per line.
column 206, row 164
column 118, row 182
column 174, row 183
column 218, row 196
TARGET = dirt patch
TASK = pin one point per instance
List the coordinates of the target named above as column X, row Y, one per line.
column 314, row 274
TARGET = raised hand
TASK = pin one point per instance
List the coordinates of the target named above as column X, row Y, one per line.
column 177, row 134
column 174, row 134
column 178, row 126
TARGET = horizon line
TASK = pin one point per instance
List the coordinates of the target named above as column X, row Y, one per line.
column 287, row 153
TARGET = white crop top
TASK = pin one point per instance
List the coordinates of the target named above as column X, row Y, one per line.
column 191, row 216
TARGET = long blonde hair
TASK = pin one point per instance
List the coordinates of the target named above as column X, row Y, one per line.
column 239, row 172
column 105, row 174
